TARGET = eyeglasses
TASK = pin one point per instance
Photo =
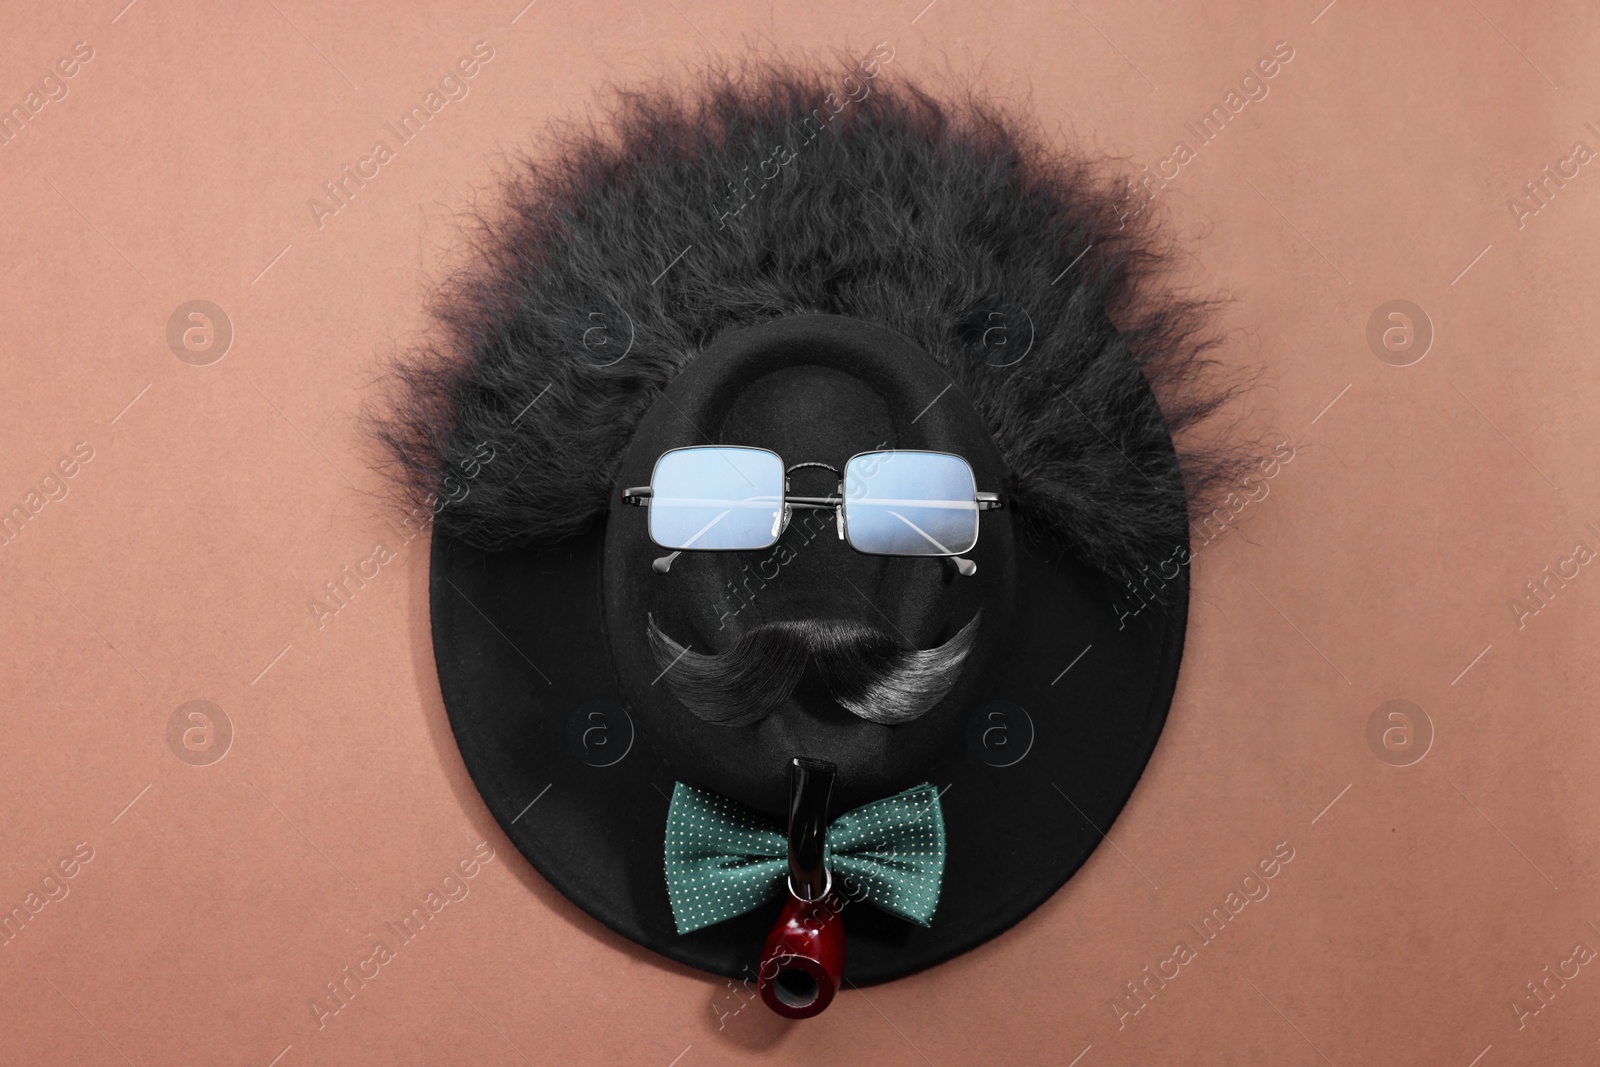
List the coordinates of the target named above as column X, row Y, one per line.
column 899, row 502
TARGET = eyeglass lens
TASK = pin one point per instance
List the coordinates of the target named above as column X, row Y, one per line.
column 910, row 504
column 716, row 498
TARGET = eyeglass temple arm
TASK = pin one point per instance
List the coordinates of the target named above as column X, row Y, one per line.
column 639, row 496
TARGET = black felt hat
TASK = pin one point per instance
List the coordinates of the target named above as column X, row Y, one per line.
column 907, row 275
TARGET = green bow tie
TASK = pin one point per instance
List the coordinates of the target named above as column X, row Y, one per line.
column 724, row 859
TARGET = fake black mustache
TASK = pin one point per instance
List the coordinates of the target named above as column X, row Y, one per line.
column 867, row 670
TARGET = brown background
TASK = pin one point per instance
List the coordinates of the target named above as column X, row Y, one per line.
column 1381, row 565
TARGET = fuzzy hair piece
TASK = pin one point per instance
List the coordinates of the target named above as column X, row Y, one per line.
column 613, row 260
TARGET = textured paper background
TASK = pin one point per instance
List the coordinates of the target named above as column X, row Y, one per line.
column 1383, row 562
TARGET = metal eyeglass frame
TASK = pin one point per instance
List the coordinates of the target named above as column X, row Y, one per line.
column 639, row 496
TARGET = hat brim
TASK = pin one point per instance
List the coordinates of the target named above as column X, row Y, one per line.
column 520, row 646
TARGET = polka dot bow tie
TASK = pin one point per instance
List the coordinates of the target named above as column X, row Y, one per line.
column 723, row 859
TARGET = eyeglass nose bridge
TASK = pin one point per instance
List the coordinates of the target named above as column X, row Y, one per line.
column 813, row 463
column 787, row 514
column 836, row 501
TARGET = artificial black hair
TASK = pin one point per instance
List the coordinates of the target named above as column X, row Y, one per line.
column 610, row 261
column 867, row 670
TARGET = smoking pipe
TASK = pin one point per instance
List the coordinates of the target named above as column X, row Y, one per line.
column 802, row 962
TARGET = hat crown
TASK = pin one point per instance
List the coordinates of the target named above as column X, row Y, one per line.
column 814, row 389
